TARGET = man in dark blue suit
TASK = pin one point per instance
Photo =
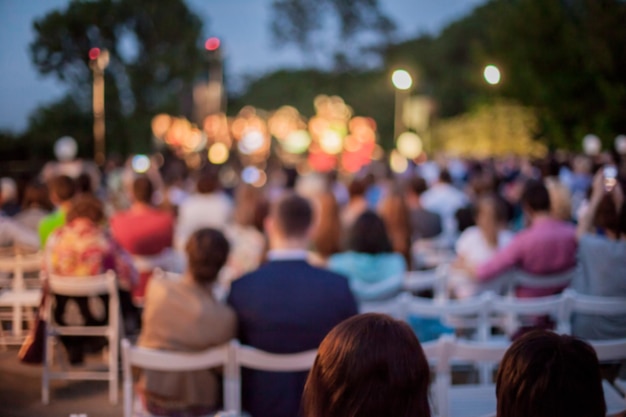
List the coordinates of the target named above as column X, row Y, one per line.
column 286, row 306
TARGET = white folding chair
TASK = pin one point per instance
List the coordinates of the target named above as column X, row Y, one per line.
column 591, row 305
column 394, row 307
column 249, row 357
column 431, row 279
column 168, row 361
column 519, row 278
column 512, row 310
column 83, row 287
column 611, row 350
column 19, row 298
column 467, row 400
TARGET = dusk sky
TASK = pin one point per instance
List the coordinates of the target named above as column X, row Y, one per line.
column 243, row 26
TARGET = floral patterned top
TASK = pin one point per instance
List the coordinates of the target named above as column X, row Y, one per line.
column 82, row 248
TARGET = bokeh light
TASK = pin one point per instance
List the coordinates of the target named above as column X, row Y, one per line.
column 409, row 145
column 492, row 74
column 401, row 79
column 218, row 153
column 397, row 162
column 140, row 164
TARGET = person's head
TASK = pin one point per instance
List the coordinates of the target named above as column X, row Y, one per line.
column 207, row 251
column 327, row 233
column 84, row 184
column 544, row 374
column 208, row 182
column 445, row 177
column 357, row 188
column 248, row 199
column 607, row 216
column 369, row 365
column 369, row 235
column 290, row 219
column 535, row 197
column 62, row 189
column 8, row 190
column 491, row 213
column 417, row 186
column 36, row 195
column 143, row 190
column 86, row 207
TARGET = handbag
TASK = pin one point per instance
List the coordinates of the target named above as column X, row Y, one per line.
column 32, row 350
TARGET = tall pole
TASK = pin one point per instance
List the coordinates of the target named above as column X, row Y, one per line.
column 402, row 82
column 99, row 61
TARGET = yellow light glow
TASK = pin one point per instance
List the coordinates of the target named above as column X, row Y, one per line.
column 218, row 153
column 492, row 74
column 409, row 145
column 331, row 142
column 397, row 162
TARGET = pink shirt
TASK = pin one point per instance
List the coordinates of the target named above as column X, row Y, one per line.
column 548, row 246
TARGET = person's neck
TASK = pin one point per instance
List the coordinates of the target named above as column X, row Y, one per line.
column 65, row 206
column 539, row 216
column 140, row 206
column 289, row 244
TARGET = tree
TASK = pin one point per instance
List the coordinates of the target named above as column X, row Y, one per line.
column 309, row 25
column 155, row 50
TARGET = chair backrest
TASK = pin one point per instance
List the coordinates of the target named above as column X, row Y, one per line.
column 450, row 350
column 431, row 279
column 395, row 307
column 513, row 308
column 160, row 360
column 249, row 357
column 610, row 350
column 18, row 265
column 83, row 286
column 524, row 279
column 591, row 304
column 167, row 260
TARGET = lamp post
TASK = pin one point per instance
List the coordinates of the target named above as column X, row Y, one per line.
column 99, row 59
column 402, row 82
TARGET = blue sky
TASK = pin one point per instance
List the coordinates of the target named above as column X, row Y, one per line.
column 243, row 25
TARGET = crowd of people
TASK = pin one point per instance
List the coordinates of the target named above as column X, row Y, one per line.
column 280, row 267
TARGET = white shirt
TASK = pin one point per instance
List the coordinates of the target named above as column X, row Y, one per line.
column 445, row 200
column 202, row 210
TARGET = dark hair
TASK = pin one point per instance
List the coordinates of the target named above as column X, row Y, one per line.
column 369, row 235
column 83, row 184
column 63, row 187
column 444, row 176
column 86, row 206
column 143, row 189
column 207, row 251
column 535, row 196
column 500, row 209
column 607, row 215
column 292, row 215
column 207, row 182
column 369, row 365
column 36, row 194
column 357, row 187
column 417, row 185
column 544, row 374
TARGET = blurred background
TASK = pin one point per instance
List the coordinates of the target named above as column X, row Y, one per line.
column 478, row 78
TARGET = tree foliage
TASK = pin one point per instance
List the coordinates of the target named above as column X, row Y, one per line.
column 313, row 25
column 155, row 56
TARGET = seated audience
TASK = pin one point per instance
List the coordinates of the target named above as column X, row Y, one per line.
column 478, row 244
column 184, row 316
column 356, row 205
column 327, row 233
column 373, row 269
column 247, row 244
column 286, row 306
column 82, row 248
column 35, row 206
column 209, row 207
column 143, row 230
column 548, row 246
column 544, row 374
column 395, row 214
column 9, row 205
column 602, row 259
column 13, row 233
column 368, row 365
column 425, row 224
column 444, row 199
column 62, row 190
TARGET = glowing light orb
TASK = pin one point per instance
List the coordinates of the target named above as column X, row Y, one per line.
column 218, row 153
column 592, row 144
column 409, row 145
column 251, row 142
column 140, row 164
column 65, row 148
column 331, row 142
column 492, row 74
column 297, row 142
column 397, row 162
column 401, row 79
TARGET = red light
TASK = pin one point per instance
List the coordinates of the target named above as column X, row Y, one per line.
column 94, row 53
column 212, row 44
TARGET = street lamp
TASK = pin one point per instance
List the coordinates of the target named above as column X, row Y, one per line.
column 402, row 81
column 99, row 59
column 492, row 74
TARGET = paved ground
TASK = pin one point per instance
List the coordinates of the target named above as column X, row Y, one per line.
column 20, row 393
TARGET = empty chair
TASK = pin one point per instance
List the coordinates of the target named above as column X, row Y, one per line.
column 97, row 285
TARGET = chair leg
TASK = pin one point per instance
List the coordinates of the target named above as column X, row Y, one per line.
column 45, row 377
column 113, row 369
